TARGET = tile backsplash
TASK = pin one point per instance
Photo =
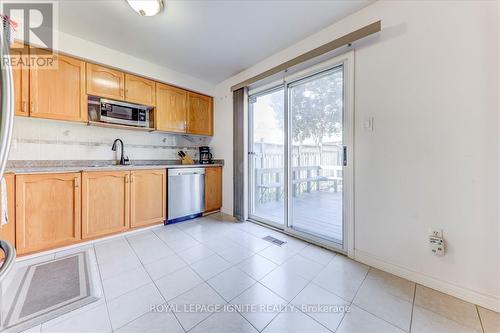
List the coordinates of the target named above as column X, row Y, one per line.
column 41, row 139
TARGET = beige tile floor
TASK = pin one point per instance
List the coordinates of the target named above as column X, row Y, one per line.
column 212, row 261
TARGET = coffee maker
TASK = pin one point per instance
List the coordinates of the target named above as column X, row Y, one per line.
column 205, row 155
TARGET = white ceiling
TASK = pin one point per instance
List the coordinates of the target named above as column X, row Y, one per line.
column 211, row 40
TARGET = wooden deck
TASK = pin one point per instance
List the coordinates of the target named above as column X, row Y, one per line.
column 318, row 213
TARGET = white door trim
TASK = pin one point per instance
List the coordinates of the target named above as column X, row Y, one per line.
column 347, row 60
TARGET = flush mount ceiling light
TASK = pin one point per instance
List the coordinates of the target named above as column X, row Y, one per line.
column 146, row 7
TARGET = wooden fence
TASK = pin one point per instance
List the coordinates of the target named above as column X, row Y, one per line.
column 313, row 169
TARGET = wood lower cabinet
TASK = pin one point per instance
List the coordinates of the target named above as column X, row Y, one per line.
column 105, row 82
column 47, row 211
column 148, row 202
column 213, row 189
column 200, row 115
column 8, row 231
column 52, row 210
column 171, row 109
column 59, row 93
column 105, row 203
column 140, row 90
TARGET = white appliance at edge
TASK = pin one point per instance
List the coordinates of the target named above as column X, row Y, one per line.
column 6, row 122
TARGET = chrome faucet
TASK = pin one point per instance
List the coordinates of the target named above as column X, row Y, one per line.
column 123, row 159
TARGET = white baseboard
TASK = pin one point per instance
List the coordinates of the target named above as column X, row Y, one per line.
column 227, row 211
column 465, row 294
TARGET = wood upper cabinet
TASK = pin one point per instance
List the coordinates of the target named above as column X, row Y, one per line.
column 59, row 93
column 105, row 82
column 140, row 90
column 171, row 109
column 8, row 231
column 213, row 188
column 148, row 197
column 47, row 211
column 105, row 203
column 20, row 73
column 200, row 114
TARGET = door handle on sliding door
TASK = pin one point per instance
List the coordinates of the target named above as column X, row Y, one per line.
column 344, row 156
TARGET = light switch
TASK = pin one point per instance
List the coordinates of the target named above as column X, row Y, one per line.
column 368, row 124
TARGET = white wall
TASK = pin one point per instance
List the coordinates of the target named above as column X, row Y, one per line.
column 431, row 81
column 95, row 52
column 37, row 139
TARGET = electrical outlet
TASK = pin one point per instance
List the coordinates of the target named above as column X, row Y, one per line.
column 437, row 243
column 436, row 232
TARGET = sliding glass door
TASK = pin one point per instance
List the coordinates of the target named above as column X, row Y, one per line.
column 300, row 134
column 267, row 157
column 316, row 122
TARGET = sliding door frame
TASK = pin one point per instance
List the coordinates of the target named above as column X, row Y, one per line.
column 251, row 160
column 346, row 60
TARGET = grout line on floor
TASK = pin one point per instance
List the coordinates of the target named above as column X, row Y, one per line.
column 290, row 303
column 156, row 286
column 351, row 303
column 480, row 319
column 413, row 305
column 102, row 286
column 373, row 314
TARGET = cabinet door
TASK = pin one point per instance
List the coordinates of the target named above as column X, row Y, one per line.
column 171, row 109
column 148, row 197
column 8, row 231
column 200, row 114
column 105, row 82
column 105, row 203
column 47, row 211
column 20, row 73
column 213, row 189
column 139, row 90
column 59, row 93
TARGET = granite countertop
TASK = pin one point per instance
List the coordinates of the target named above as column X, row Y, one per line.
column 25, row 167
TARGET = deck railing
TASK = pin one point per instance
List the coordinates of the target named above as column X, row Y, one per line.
column 313, row 169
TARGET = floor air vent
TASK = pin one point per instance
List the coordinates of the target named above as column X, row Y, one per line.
column 274, row 240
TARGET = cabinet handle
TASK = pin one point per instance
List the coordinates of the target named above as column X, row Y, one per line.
column 24, row 107
column 126, row 179
column 32, row 107
column 77, row 182
column 131, row 178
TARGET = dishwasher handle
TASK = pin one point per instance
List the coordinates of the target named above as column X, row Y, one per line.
column 186, row 172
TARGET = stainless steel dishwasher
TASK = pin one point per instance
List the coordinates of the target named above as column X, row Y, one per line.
column 186, row 193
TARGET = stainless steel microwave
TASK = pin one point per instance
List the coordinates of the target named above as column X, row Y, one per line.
column 116, row 112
